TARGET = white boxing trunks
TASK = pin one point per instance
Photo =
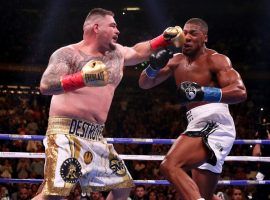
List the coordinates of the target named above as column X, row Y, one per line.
column 213, row 122
column 76, row 151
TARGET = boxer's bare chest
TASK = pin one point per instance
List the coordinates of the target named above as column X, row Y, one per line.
column 197, row 71
column 112, row 60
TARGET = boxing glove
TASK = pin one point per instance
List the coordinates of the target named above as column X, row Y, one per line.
column 93, row 73
column 157, row 61
column 191, row 91
column 171, row 35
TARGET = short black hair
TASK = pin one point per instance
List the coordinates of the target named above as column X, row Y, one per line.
column 99, row 11
column 200, row 22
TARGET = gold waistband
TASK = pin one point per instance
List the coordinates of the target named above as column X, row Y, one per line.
column 76, row 127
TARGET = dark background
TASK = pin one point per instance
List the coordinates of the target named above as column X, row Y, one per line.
column 31, row 30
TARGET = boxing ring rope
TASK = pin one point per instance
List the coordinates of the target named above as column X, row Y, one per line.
column 123, row 140
column 134, row 157
column 149, row 182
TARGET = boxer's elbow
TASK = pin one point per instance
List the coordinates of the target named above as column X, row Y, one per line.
column 50, row 88
column 44, row 88
column 145, row 84
column 242, row 94
column 234, row 95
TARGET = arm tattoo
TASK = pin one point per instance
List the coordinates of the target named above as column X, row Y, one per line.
column 60, row 63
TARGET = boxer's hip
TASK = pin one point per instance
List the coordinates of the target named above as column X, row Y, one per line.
column 214, row 123
column 77, row 127
column 212, row 111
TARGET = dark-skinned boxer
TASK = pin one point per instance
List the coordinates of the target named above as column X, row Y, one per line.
column 206, row 84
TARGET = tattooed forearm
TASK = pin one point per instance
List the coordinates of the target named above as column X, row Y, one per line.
column 60, row 63
column 52, row 83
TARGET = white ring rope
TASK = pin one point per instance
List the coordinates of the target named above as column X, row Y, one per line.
column 133, row 157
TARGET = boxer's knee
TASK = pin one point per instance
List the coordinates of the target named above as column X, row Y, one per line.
column 166, row 168
column 169, row 167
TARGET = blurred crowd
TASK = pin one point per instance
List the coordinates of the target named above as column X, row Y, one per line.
column 135, row 113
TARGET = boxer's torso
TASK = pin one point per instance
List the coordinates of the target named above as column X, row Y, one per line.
column 89, row 103
column 198, row 70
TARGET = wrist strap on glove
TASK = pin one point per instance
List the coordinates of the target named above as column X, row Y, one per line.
column 151, row 72
column 72, row 81
column 212, row 94
column 158, row 42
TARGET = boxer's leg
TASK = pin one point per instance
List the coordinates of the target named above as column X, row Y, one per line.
column 186, row 153
column 206, row 181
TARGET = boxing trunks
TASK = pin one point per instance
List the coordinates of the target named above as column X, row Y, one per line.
column 77, row 152
column 215, row 125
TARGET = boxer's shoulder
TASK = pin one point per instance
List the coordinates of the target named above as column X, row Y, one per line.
column 119, row 49
column 211, row 51
column 65, row 50
column 213, row 54
column 63, row 54
column 177, row 58
column 217, row 59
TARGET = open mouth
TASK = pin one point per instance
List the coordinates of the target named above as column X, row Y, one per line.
column 187, row 46
column 115, row 38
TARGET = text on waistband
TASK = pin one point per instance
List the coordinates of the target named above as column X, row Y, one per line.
column 86, row 130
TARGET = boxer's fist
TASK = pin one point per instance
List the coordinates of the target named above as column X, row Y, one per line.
column 191, row 91
column 175, row 35
column 172, row 35
column 94, row 73
column 159, row 59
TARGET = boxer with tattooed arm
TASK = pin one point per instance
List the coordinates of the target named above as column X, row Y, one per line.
column 82, row 78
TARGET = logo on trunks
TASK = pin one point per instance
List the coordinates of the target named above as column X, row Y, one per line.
column 218, row 146
column 87, row 157
column 117, row 166
column 209, row 128
column 71, row 170
column 190, row 92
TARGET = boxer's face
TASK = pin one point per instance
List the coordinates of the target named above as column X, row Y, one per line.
column 108, row 32
column 195, row 39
